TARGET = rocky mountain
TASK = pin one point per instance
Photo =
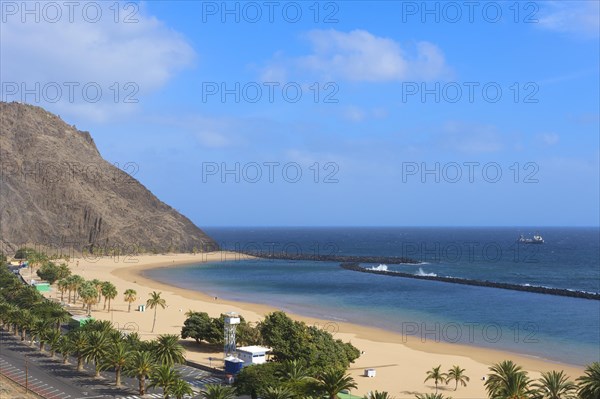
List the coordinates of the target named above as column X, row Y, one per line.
column 56, row 191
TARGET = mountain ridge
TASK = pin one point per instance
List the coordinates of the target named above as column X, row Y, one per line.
column 57, row 191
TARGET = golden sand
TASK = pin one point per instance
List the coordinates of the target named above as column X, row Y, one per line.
column 400, row 362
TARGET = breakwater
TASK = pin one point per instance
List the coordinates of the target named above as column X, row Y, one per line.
column 389, row 260
column 354, row 266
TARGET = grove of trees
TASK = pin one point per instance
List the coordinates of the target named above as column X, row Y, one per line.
column 25, row 313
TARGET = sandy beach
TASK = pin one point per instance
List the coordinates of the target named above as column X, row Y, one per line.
column 400, row 362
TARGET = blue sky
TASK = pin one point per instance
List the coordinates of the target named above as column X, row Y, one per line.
column 392, row 113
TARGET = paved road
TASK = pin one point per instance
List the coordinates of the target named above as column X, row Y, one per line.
column 49, row 377
column 33, row 384
column 54, row 380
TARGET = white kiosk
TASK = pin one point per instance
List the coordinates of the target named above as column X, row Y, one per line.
column 253, row 354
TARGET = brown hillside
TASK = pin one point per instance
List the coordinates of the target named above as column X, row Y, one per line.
column 57, row 191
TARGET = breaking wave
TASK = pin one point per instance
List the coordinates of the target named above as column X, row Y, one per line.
column 421, row 272
column 381, row 268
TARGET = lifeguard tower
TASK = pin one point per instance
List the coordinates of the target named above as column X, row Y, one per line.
column 232, row 319
column 233, row 365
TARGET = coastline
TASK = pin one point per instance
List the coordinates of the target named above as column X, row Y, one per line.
column 401, row 362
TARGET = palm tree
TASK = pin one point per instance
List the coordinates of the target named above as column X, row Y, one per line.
column 109, row 291
column 293, row 371
column 69, row 284
column 295, row 375
column 5, row 314
column 130, row 297
column 36, row 259
column 458, row 375
column 180, row 388
column 431, row 396
column 163, row 377
column 25, row 321
column 59, row 316
column 168, row 350
column 75, row 281
column 378, row 395
column 64, row 347
column 38, row 330
column 7, row 318
column 52, row 338
column 63, row 271
column 216, row 391
column 589, row 384
column 104, row 326
column 63, row 285
column 333, row 381
column 555, row 385
column 5, row 309
column 14, row 316
column 88, row 295
column 280, row 392
column 54, row 313
column 140, row 364
column 96, row 349
column 507, row 381
column 88, row 300
column 436, row 375
column 44, row 329
column 154, row 302
column 116, row 357
column 132, row 340
column 27, row 297
column 68, row 281
column 98, row 286
column 77, row 343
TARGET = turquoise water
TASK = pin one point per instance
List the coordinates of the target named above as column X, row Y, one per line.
column 557, row 328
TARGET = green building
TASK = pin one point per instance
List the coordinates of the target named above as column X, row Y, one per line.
column 79, row 321
column 42, row 287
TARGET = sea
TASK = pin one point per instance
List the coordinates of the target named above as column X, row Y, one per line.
column 557, row 328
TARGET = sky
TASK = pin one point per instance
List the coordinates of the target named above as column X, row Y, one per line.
column 329, row 113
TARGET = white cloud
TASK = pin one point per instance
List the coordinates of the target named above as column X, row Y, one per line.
column 275, row 72
column 357, row 55
column 301, row 156
column 470, row 138
column 356, row 114
column 209, row 132
column 212, row 139
column 574, row 166
column 586, row 119
column 146, row 53
column 217, row 132
column 430, row 62
column 578, row 17
column 328, row 163
column 548, row 138
column 361, row 56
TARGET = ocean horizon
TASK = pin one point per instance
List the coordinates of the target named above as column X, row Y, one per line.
column 556, row 328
